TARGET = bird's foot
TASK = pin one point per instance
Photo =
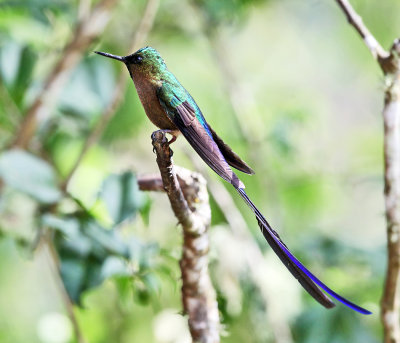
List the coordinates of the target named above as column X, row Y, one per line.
column 156, row 136
column 173, row 139
column 173, row 133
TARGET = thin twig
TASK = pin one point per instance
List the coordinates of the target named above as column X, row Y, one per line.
column 150, row 183
column 52, row 258
column 390, row 65
column 356, row 21
column 154, row 183
column 86, row 31
column 383, row 57
column 191, row 207
column 142, row 32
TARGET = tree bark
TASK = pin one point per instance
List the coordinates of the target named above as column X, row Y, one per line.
column 391, row 119
column 189, row 202
column 389, row 62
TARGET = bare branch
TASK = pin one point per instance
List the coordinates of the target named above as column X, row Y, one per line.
column 356, row 21
column 150, row 183
column 390, row 65
column 86, row 31
column 142, row 32
column 191, row 207
column 154, row 183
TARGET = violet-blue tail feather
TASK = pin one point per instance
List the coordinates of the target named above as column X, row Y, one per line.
column 269, row 233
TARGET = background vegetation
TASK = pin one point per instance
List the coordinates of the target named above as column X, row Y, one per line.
column 286, row 83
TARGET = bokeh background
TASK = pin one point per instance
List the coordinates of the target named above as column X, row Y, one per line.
column 288, row 84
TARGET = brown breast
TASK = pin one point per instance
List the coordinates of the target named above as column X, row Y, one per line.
column 147, row 94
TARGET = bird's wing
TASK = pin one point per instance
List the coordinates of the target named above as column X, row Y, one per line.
column 231, row 157
column 195, row 129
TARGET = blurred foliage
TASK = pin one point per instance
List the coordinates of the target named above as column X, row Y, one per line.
column 29, row 174
column 316, row 151
column 220, row 13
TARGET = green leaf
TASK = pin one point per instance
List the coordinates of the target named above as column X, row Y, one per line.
column 125, row 289
column 145, row 211
column 90, row 254
column 114, row 266
column 24, row 75
column 122, row 196
column 104, row 241
column 73, row 275
column 9, row 61
column 30, row 175
column 16, row 68
column 68, row 226
column 142, row 294
column 93, row 77
column 72, row 239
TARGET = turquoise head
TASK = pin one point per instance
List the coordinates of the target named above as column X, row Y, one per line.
column 146, row 61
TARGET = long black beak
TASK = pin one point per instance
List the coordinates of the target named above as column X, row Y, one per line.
column 115, row 57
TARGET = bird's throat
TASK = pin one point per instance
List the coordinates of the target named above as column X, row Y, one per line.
column 147, row 90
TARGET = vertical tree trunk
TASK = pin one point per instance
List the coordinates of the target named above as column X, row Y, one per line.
column 390, row 298
column 389, row 62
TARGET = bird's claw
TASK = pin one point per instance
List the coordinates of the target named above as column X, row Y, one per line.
column 173, row 139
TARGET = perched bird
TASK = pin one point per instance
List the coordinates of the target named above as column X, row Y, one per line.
column 171, row 108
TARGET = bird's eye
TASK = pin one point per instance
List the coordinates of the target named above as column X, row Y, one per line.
column 138, row 59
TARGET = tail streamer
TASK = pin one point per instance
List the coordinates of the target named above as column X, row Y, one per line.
column 307, row 279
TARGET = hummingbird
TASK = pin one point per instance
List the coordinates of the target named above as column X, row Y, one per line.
column 170, row 107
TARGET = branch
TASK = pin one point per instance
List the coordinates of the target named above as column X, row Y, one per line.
column 142, row 32
column 356, row 21
column 191, row 207
column 384, row 58
column 154, row 183
column 88, row 28
column 390, row 65
column 150, row 183
column 251, row 251
column 53, row 262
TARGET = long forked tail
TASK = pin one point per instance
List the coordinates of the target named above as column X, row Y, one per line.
column 308, row 280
